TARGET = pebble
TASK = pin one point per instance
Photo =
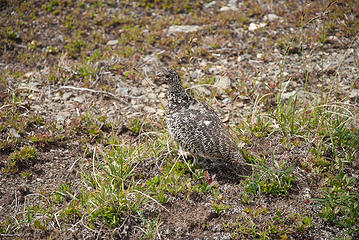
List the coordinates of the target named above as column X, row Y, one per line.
column 122, row 91
column 228, row 8
column 209, row 5
column 354, row 93
column 135, row 91
column 66, row 96
column 151, row 59
column 270, row 17
column 149, row 109
column 287, row 95
column 203, row 90
column 231, row 6
column 254, row 26
column 61, row 116
column 162, row 95
column 222, row 83
column 227, row 101
column 195, row 74
column 79, row 99
column 183, row 28
column 160, row 112
column 215, row 69
column 152, row 96
column 137, row 107
column 203, row 63
column 13, row 132
column 112, row 42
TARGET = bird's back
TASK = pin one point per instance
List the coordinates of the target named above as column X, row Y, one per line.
column 198, row 129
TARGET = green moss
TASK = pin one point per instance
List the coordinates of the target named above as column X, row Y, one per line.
column 25, row 153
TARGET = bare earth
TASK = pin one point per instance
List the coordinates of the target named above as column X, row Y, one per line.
column 73, row 74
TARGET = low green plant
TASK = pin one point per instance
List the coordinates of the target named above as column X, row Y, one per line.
column 11, row 33
column 219, row 207
column 25, row 153
column 140, row 125
column 20, row 157
column 172, row 5
column 63, row 193
column 115, row 191
column 276, row 178
column 340, row 202
column 74, row 46
column 152, row 227
column 248, row 224
column 172, row 182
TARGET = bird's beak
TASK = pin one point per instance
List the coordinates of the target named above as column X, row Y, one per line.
column 160, row 73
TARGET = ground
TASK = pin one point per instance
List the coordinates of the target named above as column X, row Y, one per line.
column 84, row 148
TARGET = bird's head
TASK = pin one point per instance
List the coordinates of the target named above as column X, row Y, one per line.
column 170, row 76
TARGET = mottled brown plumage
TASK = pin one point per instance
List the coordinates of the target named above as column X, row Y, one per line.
column 195, row 125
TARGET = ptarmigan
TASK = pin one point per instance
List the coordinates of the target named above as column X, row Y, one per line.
column 195, row 125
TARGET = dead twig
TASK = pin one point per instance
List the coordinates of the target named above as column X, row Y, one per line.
column 111, row 95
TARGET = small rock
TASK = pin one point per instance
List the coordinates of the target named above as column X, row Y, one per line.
column 149, row 109
column 224, row 62
column 31, row 97
column 66, row 95
column 29, row 74
column 79, row 99
column 203, row 63
column 112, row 42
column 160, row 112
column 195, row 73
column 162, row 95
column 226, row 118
column 137, row 107
column 203, row 90
column 34, row 84
column 209, row 5
column 151, row 58
column 238, row 105
column 135, row 91
column 333, row 39
column 122, row 91
column 259, row 55
column 306, row 193
column 56, row 97
column 152, row 95
column 287, row 95
column 158, row 90
column 354, row 93
column 13, row 132
column 270, row 17
column 183, row 28
column 61, row 116
column 227, row 101
column 214, row 69
column 228, row 8
column 223, row 82
column 254, row 26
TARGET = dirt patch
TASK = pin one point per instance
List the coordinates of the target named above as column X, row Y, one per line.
column 78, row 77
